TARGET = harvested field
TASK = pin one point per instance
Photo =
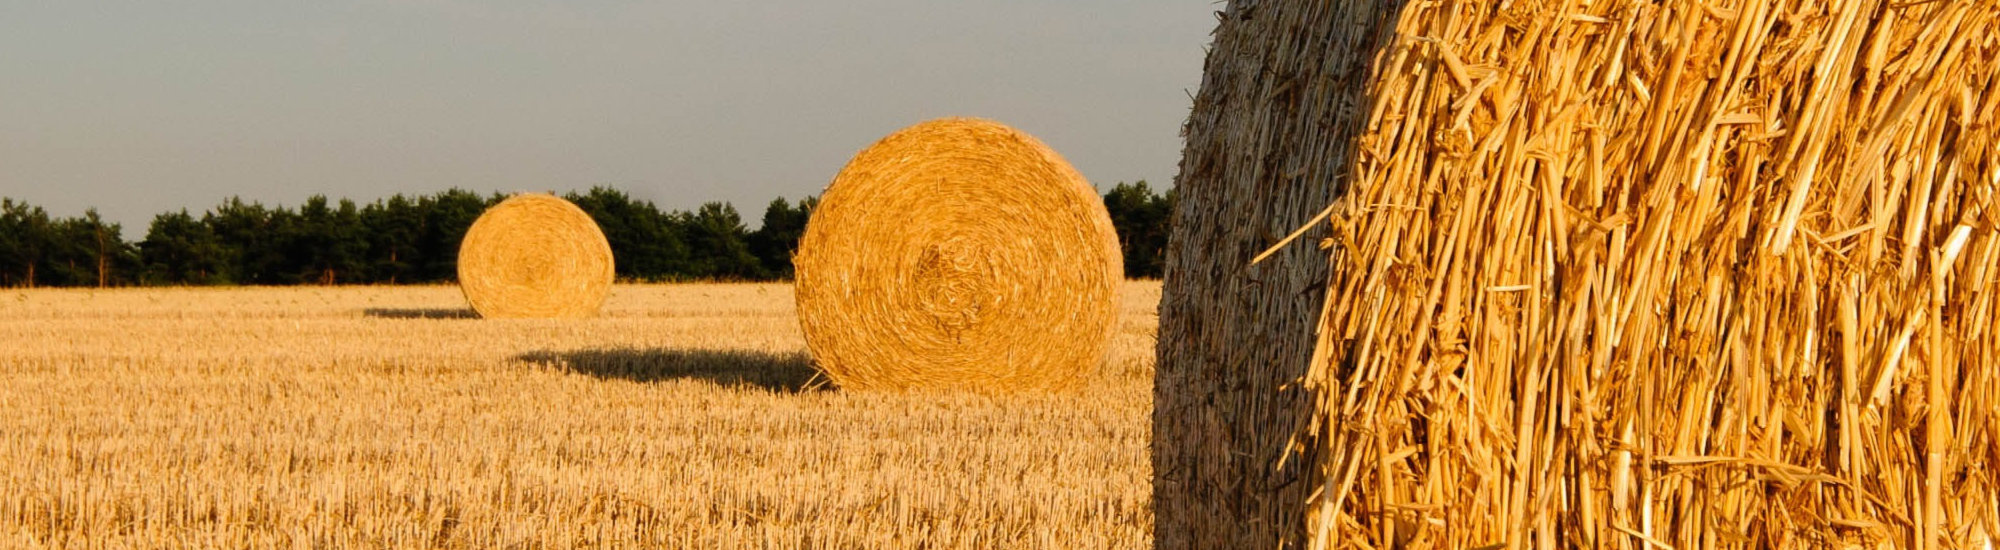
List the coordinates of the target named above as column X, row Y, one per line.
column 681, row 416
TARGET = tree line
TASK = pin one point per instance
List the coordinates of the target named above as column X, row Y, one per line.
column 403, row 239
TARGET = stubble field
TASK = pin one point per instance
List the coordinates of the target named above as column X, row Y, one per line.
column 683, row 416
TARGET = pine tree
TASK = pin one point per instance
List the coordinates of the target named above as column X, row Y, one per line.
column 778, row 239
column 179, row 249
column 720, row 244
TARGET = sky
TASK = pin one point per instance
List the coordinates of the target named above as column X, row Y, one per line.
column 142, row 107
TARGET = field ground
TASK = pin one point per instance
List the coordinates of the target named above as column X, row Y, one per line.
column 684, row 416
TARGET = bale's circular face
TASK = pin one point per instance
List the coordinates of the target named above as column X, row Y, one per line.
column 958, row 254
column 534, row 256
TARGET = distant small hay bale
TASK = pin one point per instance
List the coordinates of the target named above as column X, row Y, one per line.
column 958, row 254
column 535, row 255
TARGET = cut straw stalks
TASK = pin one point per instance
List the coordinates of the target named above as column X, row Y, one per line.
column 1637, row 274
column 958, row 254
column 1615, row 274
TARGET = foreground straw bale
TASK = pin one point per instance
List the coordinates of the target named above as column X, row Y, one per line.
column 1267, row 144
column 1640, row 274
column 535, row 255
column 958, row 254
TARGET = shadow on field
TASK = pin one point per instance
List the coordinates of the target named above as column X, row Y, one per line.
column 782, row 372
column 421, row 313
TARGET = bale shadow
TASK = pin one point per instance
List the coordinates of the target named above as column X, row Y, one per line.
column 420, row 313
column 779, row 372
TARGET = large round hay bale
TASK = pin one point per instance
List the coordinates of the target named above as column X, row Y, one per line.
column 534, row 255
column 958, row 254
column 1593, row 274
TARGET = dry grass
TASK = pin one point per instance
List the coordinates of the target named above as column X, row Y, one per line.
column 682, row 416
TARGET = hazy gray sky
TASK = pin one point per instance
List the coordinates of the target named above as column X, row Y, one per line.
column 139, row 107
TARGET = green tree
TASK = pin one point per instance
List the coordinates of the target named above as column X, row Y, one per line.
column 326, row 242
column 113, row 260
column 24, row 239
column 1142, row 220
column 646, row 244
column 257, row 239
column 391, row 229
column 81, row 251
column 776, row 241
column 719, row 243
column 447, row 215
column 65, row 254
column 179, row 249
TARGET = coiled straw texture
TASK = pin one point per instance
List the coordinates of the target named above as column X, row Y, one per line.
column 958, row 254
column 1627, row 274
column 535, row 255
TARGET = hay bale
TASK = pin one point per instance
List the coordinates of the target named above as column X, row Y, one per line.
column 535, row 255
column 958, row 254
column 1625, row 273
column 1267, row 149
